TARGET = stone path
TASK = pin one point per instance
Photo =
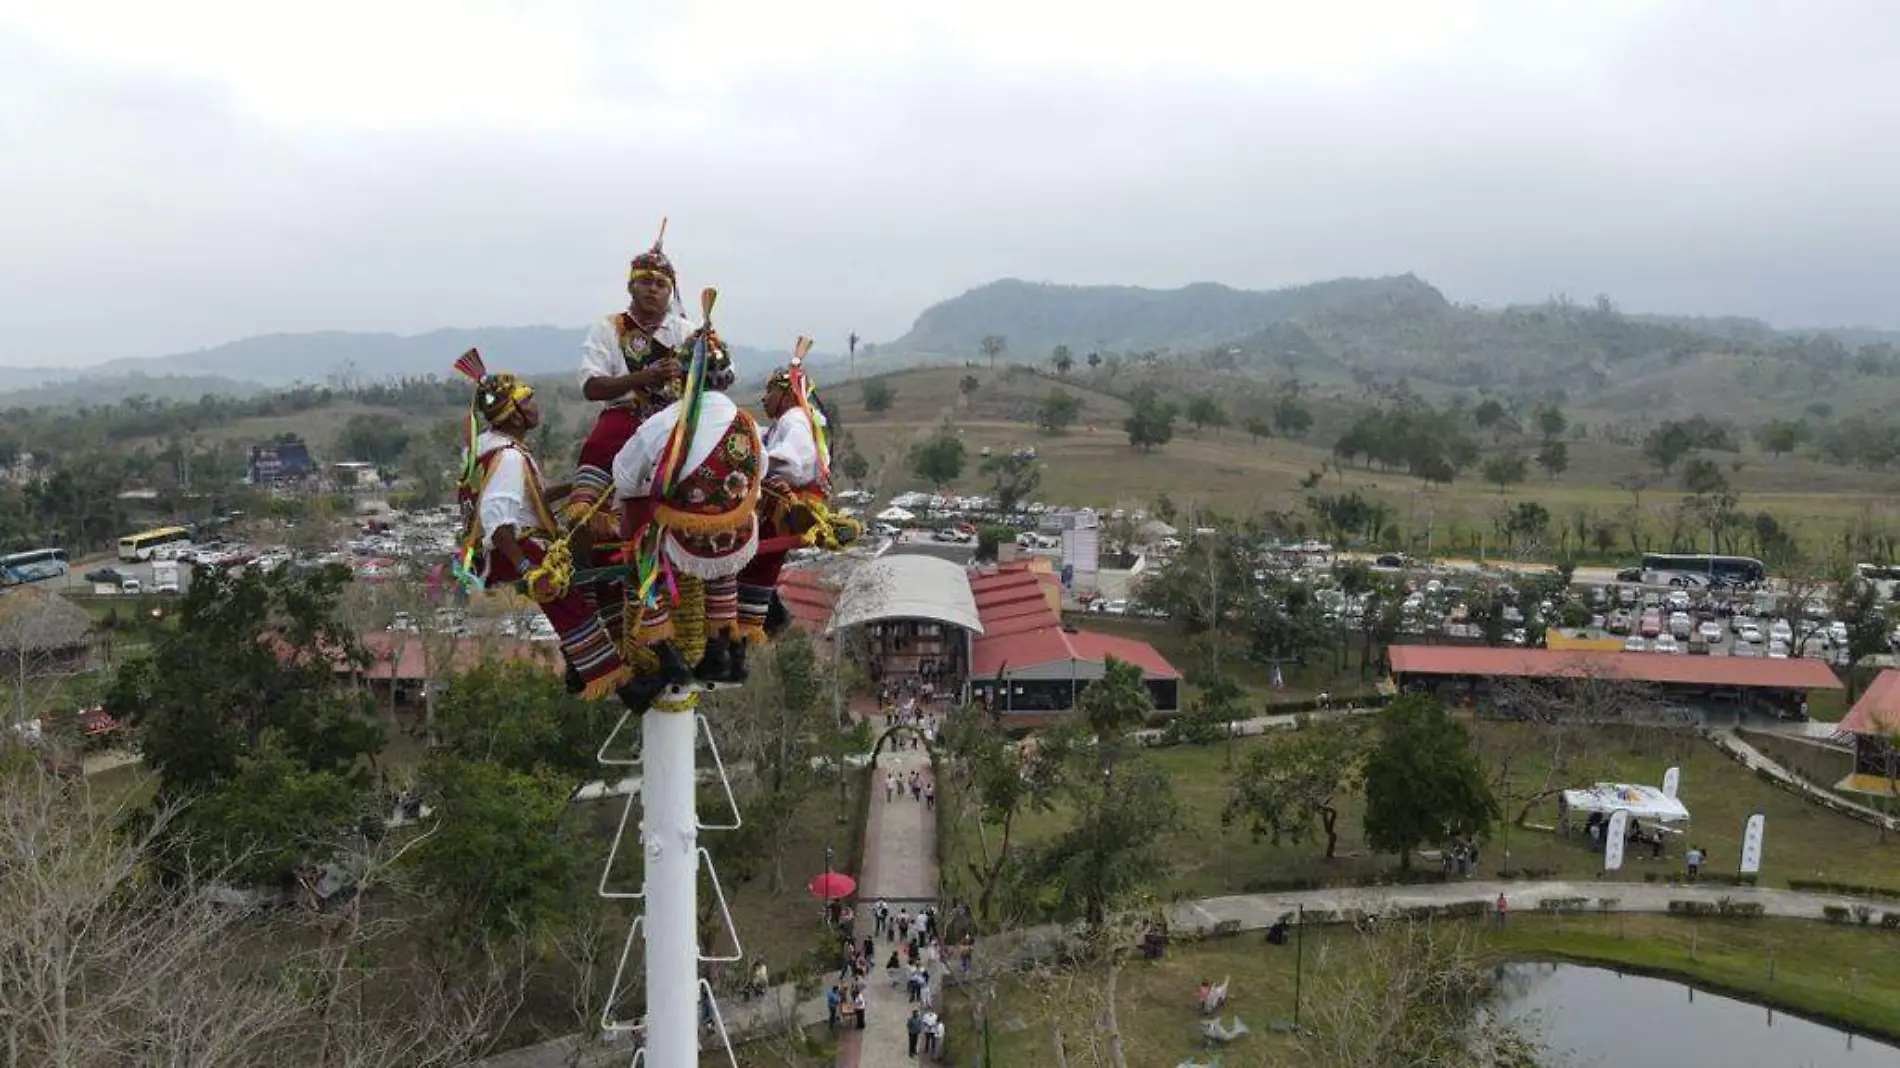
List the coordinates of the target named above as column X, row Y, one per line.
column 900, row 867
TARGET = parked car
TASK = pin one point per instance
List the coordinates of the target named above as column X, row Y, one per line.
column 109, row 576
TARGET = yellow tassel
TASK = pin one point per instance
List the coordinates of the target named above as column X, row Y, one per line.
column 689, row 617
column 609, row 683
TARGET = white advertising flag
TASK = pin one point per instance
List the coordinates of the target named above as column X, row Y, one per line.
column 1613, row 837
column 1751, row 843
column 1672, row 781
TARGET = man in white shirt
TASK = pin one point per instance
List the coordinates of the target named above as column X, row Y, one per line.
column 633, row 363
column 797, row 485
column 705, row 504
column 509, row 527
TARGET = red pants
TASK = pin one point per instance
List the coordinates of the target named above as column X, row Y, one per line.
column 583, row 641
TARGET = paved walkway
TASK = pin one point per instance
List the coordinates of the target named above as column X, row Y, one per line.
column 900, row 867
column 1255, row 912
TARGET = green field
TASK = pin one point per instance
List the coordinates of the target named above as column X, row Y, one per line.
column 1092, row 464
column 1207, row 859
column 1848, row 975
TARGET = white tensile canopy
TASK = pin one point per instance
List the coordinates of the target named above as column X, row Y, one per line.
column 894, row 514
column 1642, row 802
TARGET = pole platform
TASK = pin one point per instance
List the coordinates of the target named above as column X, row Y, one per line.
column 672, row 859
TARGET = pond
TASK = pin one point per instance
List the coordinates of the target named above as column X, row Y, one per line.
column 1599, row 1017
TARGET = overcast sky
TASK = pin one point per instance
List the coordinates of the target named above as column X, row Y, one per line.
column 179, row 174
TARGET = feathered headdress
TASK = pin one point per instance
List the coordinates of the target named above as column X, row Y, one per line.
column 793, row 379
column 653, row 261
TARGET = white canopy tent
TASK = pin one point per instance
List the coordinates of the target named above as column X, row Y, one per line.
column 1642, row 802
column 894, row 514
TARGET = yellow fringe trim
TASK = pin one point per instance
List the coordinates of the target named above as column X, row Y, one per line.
column 751, row 633
column 608, row 683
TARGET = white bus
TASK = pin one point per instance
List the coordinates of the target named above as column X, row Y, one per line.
column 33, row 565
column 134, row 548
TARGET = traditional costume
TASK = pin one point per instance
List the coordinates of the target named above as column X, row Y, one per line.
column 687, row 484
column 797, row 488
column 501, row 487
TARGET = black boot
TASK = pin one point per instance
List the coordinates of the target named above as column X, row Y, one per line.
column 638, row 696
column 712, row 667
column 777, row 618
column 575, row 684
column 673, row 669
column 735, row 662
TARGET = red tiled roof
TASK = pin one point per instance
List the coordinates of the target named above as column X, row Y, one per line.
column 991, row 653
column 806, row 598
column 1744, row 672
column 1878, row 710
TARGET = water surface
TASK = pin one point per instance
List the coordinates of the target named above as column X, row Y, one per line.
column 1600, row 1018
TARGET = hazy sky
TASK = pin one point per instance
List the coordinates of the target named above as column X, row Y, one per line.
column 180, row 174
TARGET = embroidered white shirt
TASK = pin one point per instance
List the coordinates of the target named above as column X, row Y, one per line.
column 638, row 461
column 507, row 500
column 791, row 449
column 601, row 356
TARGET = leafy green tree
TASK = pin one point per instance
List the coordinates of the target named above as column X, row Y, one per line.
column 244, row 686
column 1058, row 411
column 1006, row 784
column 1505, row 469
column 1551, row 422
column 1292, row 786
column 1151, row 424
column 1205, row 411
column 273, row 816
column 1094, row 360
column 520, row 716
column 1491, row 415
column 878, row 394
column 498, row 855
column 938, row 461
column 1423, row 781
column 377, row 437
column 1112, row 846
column 1782, row 436
column 1554, row 458
column 1257, row 428
column 1013, row 479
column 1062, row 359
column 1291, row 417
column 968, row 385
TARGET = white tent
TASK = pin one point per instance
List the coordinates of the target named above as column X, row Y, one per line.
column 894, row 514
column 1643, row 802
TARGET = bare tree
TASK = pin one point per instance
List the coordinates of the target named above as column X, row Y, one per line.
column 1408, row 995
column 104, row 964
column 1566, row 728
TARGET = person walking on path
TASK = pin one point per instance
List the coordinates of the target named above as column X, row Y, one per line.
column 914, row 1028
column 1504, row 909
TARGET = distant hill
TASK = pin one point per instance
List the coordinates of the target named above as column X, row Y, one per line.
column 275, row 360
column 111, row 389
column 1035, row 317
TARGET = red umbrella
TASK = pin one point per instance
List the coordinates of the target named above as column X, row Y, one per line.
column 832, row 884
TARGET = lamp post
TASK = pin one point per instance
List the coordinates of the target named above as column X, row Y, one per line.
column 1299, row 963
column 827, row 884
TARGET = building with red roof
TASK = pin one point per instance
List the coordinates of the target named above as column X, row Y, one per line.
column 1781, row 685
column 1028, row 663
column 995, row 633
column 1874, row 721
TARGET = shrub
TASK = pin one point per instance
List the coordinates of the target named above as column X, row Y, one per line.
column 1890, row 920
column 1863, row 914
column 1745, row 910
column 1835, row 913
column 1691, row 908
column 1608, row 904
column 1563, row 904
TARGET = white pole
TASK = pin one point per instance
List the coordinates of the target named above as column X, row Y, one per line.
column 669, row 833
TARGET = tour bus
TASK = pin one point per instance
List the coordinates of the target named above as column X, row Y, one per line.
column 33, row 565
column 1696, row 569
column 135, row 548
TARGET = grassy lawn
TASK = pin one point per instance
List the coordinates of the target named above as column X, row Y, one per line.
column 1848, row 974
column 1093, row 464
column 1207, row 860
